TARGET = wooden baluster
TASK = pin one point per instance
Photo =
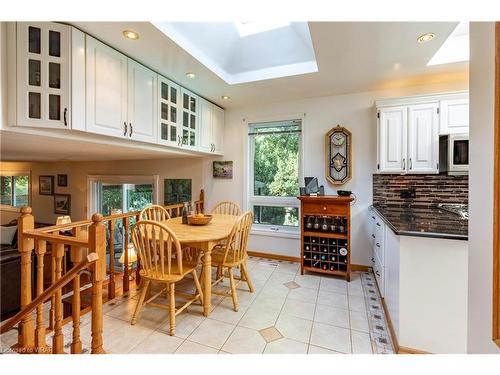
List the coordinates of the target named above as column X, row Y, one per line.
column 26, row 222
column 52, row 280
column 138, row 264
column 111, row 285
column 126, row 281
column 58, row 338
column 41, row 344
column 97, row 244
column 77, row 255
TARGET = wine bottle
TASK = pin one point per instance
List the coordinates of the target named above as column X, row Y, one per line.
column 323, row 257
column 341, row 225
column 324, row 226
column 309, row 223
column 325, row 267
column 316, row 223
column 185, row 213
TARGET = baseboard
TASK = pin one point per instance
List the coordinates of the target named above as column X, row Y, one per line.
column 405, row 350
column 360, row 267
column 274, row 256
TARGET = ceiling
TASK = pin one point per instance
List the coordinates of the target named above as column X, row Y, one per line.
column 351, row 57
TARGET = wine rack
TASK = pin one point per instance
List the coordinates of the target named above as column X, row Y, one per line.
column 325, row 235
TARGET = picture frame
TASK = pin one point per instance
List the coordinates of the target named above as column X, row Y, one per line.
column 62, row 180
column 62, row 204
column 223, row 169
column 177, row 190
column 338, row 155
column 46, row 185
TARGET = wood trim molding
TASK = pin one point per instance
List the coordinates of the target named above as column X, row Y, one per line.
column 496, row 198
column 273, row 256
column 360, row 267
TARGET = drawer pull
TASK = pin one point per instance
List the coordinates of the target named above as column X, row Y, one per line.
column 377, row 244
column 324, row 208
column 378, row 224
column 373, row 236
column 378, row 273
column 373, row 217
column 373, row 260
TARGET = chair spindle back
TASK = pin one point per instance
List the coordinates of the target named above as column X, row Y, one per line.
column 227, row 208
column 155, row 213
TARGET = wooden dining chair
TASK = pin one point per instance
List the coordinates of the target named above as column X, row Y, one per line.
column 154, row 212
column 162, row 262
column 227, row 208
column 234, row 255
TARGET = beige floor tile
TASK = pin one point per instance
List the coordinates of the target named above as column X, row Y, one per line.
column 357, row 303
column 286, row 346
column 8, row 339
column 331, row 337
column 359, row 321
column 225, row 313
column 332, row 316
column 269, row 302
column 355, row 290
column 270, row 334
column 212, row 333
column 361, row 343
column 185, row 324
column 319, row 350
column 297, row 329
column 308, row 281
column 189, row 347
column 158, row 343
column 258, row 317
column 244, row 341
column 286, row 267
column 124, row 339
column 329, row 284
column 274, row 289
column 333, row 299
column 281, row 277
column 299, row 309
column 303, row 294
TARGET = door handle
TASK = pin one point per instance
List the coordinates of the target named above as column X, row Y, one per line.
column 377, row 244
column 378, row 273
column 373, row 260
column 404, row 163
column 373, row 235
column 378, row 224
column 65, row 117
column 411, row 164
column 131, row 129
column 125, row 129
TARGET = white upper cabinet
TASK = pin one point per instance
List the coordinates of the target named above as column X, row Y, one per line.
column 206, row 126
column 392, row 139
column 218, row 129
column 106, row 85
column 168, row 112
column 190, row 113
column 43, row 82
column 454, row 116
column 423, row 138
column 142, row 103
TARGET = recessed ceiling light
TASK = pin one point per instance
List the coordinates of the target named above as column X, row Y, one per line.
column 130, row 34
column 190, row 75
column 225, row 97
column 427, row 37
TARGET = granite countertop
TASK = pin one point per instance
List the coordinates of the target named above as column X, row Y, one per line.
column 423, row 222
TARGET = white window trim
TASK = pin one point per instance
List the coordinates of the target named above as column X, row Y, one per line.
column 134, row 179
column 5, row 207
column 268, row 230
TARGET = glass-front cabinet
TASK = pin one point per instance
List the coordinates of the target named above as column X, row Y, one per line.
column 189, row 120
column 169, row 121
column 43, row 74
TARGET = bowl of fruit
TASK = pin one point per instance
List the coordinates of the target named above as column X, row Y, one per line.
column 199, row 219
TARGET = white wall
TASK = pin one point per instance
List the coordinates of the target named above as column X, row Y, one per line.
column 354, row 111
column 482, row 93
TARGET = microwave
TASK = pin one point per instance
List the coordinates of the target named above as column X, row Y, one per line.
column 454, row 154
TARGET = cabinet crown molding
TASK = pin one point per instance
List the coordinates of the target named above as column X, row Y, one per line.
column 419, row 99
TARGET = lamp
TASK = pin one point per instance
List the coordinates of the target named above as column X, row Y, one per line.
column 132, row 257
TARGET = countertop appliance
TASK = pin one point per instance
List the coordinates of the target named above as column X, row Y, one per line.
column 454, row 154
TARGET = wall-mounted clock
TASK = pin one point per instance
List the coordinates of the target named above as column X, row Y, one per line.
column 338, row 155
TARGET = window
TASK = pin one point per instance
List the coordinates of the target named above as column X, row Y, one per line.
column 274, row 154
column 15, row 189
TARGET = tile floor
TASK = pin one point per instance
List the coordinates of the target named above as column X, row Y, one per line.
column 288, row 313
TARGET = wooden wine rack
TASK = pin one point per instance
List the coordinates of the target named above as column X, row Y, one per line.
column 321, row 249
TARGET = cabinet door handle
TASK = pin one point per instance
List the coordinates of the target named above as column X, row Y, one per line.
column 373, row 217
column 404, row 164
column 411, row 164
column 378, row 273
column 125, row 129
column 373, row 235
column 377, row 244
column 373, row 260
column 378, row 224
column 131, row 129
column 65, row 116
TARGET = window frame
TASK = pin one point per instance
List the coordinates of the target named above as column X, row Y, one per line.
column 251, row 200
column 6, row 207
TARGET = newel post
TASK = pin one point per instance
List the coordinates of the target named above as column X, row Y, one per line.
column 97, row 244
column 202, row 199
column 26, row 222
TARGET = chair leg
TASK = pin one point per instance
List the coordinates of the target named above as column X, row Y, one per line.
column 244, row 272
column 198, row 286
column 219, row 272
column 233, row 289
column 140, row 303
column 171, row 308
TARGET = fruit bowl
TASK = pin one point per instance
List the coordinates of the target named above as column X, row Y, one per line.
column 199, row 219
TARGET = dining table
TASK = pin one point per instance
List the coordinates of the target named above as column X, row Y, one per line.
column 205, row 238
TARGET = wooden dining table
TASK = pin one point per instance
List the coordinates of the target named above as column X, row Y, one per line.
column 204, row 238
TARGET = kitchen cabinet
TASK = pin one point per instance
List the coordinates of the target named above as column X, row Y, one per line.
column 142, row 103
column 377, row 235
column 189, row 120
column 392, row 139
column 454, row 116
column 43, row 75
column 168, row 109
column 423, row 138
column 211, row 127
column 106, row 85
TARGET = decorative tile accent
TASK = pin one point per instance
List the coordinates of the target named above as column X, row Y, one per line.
column 291, row 285
column 270, row 334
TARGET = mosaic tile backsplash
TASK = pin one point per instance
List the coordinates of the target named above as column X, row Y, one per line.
column 430, row 189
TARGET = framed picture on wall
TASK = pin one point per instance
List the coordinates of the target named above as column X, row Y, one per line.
column 62, row 180
column 46, row 185
column 223, row 169
column 177, row 191
column 62, row 204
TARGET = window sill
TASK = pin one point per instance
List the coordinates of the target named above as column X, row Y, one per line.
column 282, row 233
column 10, row 208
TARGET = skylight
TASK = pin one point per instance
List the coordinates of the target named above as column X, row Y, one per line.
column 250, row 28
column 455, row 48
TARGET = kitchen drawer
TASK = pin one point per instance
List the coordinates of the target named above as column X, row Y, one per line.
column 378, row 271
column 378, row 250
column 318, row 208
